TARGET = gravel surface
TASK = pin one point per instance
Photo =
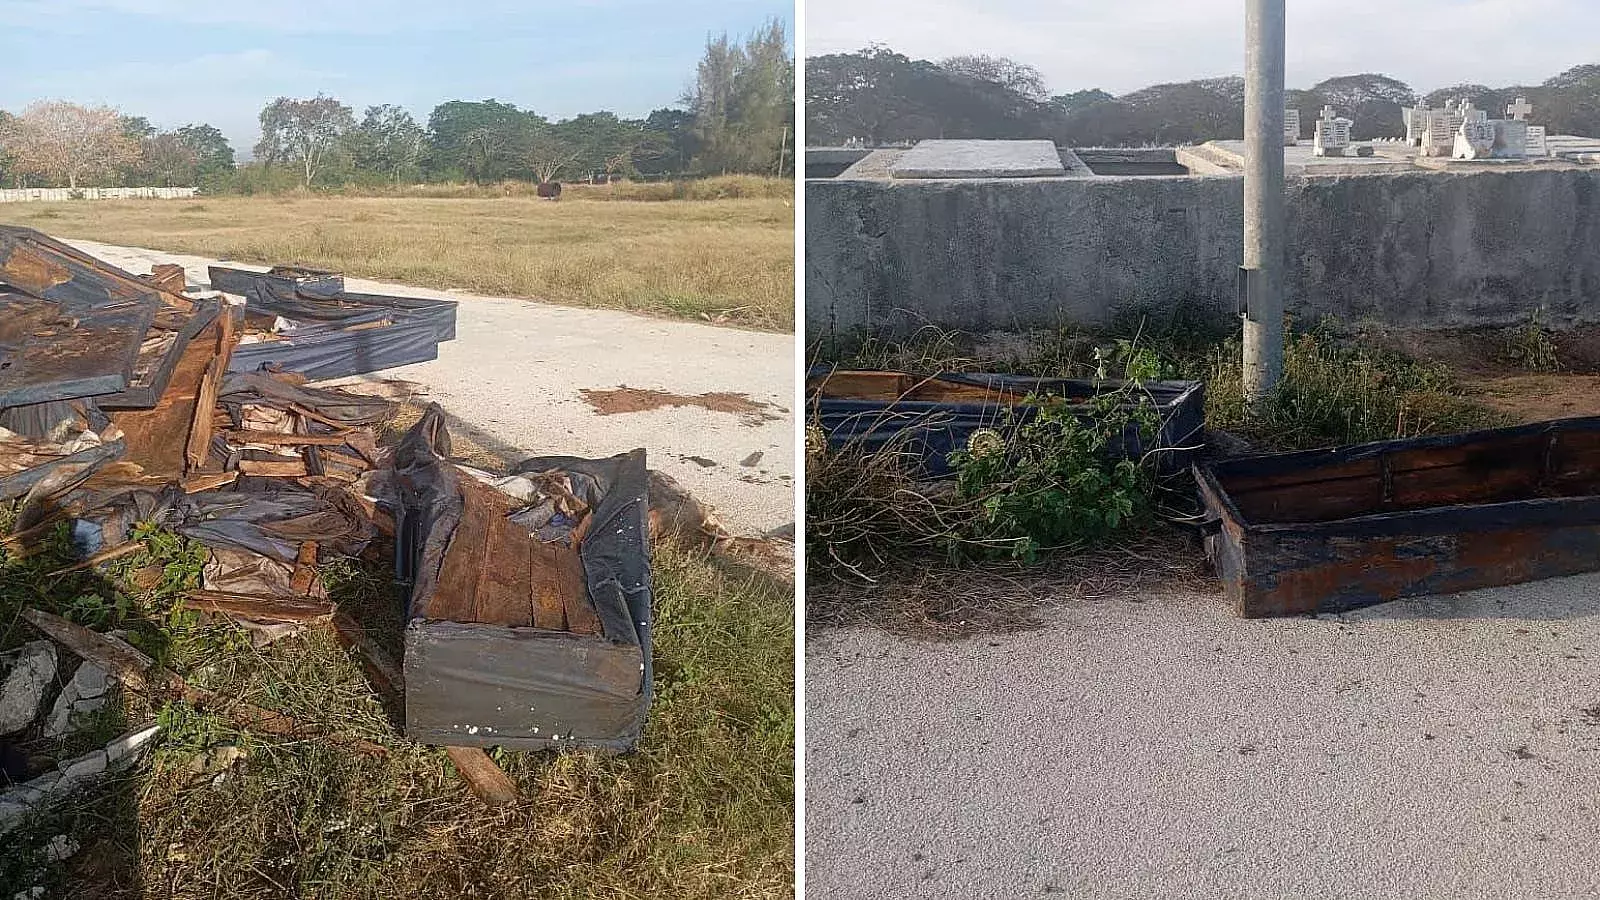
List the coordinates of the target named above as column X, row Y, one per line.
column 514, row 373
column 1157, row 747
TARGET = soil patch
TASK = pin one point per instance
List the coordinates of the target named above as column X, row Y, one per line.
column 631, row 400
column 1485, row 352
column 1537, row 398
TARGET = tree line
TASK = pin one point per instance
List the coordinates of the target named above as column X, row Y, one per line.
column 737, row 116
column 875, row 96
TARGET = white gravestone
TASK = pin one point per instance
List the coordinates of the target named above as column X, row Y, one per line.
column 1520, row 110
column 1416, row 123
column 1441, row 130
column 1510, row 139
column 1538, row 142
column 1475, row 136
column 1291, row 127
column 1333, row 134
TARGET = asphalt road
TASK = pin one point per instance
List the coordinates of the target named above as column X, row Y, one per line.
column 1157, row 747
column 514, row 374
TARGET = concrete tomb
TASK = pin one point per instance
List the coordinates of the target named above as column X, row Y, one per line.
column 1333, row 134
column 1291, row 127
column 979, row 159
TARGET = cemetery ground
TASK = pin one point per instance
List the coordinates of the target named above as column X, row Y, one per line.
column 703, row 808
column 1099, row 723
column 728, row 259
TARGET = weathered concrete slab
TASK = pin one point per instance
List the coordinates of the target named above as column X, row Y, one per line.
column 979, row 159
column 25, row 677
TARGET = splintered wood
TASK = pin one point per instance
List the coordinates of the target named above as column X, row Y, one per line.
column 495, row 572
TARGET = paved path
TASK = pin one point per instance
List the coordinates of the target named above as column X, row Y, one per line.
column 1438, row 748
column 514, row 372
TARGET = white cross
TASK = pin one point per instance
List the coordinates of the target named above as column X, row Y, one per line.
column 1520, row 109
column 1327, row 113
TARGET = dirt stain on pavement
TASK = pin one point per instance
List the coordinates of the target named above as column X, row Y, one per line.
column 631, row 400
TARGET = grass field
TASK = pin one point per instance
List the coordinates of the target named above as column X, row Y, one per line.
column 729, row 260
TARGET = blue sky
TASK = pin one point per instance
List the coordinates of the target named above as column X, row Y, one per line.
column 181, row 61
column 1124, row 45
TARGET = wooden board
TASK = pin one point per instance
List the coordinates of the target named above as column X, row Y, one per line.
column 494, row 572
column 156, row 436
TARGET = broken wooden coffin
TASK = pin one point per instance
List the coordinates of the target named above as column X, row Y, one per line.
column 528, row 616
column 72, row 326
column 1336, row 529
column 931, row 416
column 302, row 320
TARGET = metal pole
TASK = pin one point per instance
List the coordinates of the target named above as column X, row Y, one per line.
column 1262, row 284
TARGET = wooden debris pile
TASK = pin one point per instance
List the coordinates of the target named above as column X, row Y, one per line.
column 123, row 401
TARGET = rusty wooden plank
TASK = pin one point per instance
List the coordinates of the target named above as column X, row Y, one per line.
column 485, row 779
column 456, row 598
column 258, row 608
column 273, row 468
column 505, row 589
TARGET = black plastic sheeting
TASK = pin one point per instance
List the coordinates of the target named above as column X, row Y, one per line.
column 520, row 687
column 334, row 333
column 929, row 432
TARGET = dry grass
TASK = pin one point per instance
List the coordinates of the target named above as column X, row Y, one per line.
column 931, row 601
column 703, row 809
column 726, row 260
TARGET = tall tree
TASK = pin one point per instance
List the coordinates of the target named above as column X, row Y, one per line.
column 1371, row 100
column 213, row 154
column 388, row 141
column 481, row 140
column 65, row 142
column 169, row 161
column 1019, row 78
column 666, row 144
column 306, row 133
column 743, row 102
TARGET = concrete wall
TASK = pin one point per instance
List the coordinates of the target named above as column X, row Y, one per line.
column 1419, row 250
column 47, row 195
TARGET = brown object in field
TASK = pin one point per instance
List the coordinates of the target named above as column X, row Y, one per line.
column 854, row 384
column 1336, row 529
column 482, row 775
column 495, row 572
column 140, row 674
column 169, row 277
column 259, row 609
column 275, row 439
column 153, row 436
column 272, row 468
column 198, row 451
column 205, row 481
column 485, row 779
column 305, row 569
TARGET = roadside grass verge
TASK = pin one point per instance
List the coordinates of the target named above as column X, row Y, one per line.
column 724, row 259
column 702, row 809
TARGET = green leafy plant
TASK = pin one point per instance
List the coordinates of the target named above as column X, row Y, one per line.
column 1062, row 480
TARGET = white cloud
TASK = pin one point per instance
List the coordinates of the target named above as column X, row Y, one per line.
column 1128, row 44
